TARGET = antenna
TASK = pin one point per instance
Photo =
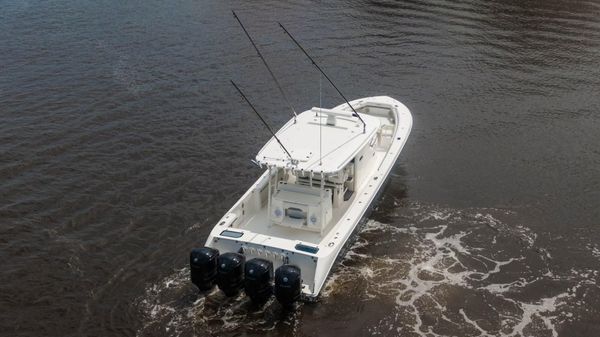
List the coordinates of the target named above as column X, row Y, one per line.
column 320, row 122
column 267, row 66
column 264, row 122
column 327, row 77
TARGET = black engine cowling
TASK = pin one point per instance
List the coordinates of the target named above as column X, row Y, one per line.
column 258, row 277
column 230, row 273
column 203, row 267
column 288, row 284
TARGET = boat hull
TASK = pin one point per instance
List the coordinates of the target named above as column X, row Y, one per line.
column 315, row 258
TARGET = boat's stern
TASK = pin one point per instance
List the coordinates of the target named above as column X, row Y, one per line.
column 280, row 252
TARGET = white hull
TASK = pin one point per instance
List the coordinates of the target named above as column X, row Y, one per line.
column 248, row 226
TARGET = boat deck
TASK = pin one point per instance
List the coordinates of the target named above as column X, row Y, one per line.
column 260, row 224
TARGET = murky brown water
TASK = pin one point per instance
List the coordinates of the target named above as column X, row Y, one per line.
column 122, row 142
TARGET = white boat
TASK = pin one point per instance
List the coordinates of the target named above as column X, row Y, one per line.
column 323, row 172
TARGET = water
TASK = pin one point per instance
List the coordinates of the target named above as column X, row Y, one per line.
column 122, row 142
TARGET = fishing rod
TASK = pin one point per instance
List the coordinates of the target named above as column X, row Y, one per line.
column 264, row 122
column 267, row 66
column 327, row 77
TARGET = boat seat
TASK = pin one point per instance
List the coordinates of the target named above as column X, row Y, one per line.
column 301, row 207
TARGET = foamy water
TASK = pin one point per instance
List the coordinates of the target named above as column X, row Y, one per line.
column 441, row 272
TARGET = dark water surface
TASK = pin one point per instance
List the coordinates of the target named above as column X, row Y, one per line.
column 122, row 142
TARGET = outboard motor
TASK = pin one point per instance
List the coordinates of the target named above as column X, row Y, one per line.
column 230, row 273
column 288, row 284
column 203, row 267
column 258, row 278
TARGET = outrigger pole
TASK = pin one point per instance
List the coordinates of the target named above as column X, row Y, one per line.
column 264, row 122
column 267, row 66
column 327, row 77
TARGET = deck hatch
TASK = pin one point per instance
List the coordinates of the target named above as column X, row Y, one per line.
column 306, row 248
column 231, row 234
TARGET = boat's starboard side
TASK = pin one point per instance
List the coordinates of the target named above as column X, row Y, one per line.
column 370, row 191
